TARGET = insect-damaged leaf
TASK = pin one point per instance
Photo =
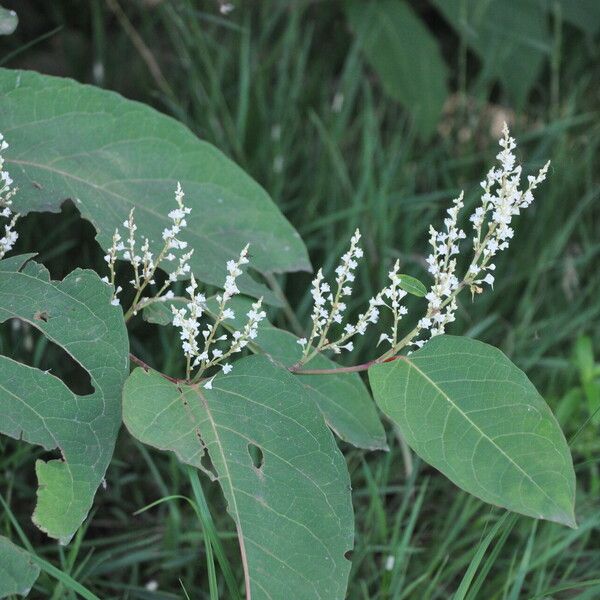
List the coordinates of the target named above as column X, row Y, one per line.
column 39, row 408
column 109, row 154
column 468, row 411
column 18, row 573
column 284, row 479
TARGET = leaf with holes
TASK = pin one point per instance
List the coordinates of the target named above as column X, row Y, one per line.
column 109, row 154
column 343, row 398
column 284, row 479
column 468, row 411
column 38, row 407
column 18, row 572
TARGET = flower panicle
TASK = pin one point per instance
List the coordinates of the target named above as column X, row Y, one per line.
column 503, row 198
column 212, row 352
column 202, row 342
column 143, row 262
column 391, row 297
column 329, row 306
column 7, row 192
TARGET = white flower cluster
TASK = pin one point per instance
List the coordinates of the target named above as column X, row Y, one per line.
column 442, row 265
column 391, row 296
column 199, row 356
column 7, row 241
column 499, row 206
column 188, row 320
column 143, row 262
column 501, row 201
column 329, row 307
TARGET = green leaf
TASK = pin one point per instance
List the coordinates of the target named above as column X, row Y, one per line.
column 39, row 408
column 160, row 313
column 69, row 140
column 8, row 21
column 584, row 14
column 284, row 479
column 469, row 412
column 18, row 573
column 412, row 285
column 405, row 56
column 343, row 399
column 510, row 37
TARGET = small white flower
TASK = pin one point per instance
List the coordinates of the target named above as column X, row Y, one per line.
column 10, row 237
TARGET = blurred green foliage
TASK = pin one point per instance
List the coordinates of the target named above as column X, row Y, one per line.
column 288, row 90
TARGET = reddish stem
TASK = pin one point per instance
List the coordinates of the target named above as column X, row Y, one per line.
column 293, row 369
column 138, row 361
column 354, row 369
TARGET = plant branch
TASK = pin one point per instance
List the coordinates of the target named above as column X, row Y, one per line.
column 138, row 361
column 297, row 369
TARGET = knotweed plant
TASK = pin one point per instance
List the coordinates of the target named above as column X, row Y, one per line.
column 207, row 344
column 250, row 399
column 503, row 198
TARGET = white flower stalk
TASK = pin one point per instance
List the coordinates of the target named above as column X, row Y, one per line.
column 329, row 308
column 188, row 320
column 7, row 241
column 391, row 297
column 441, row 297
column 129, row 253
column 111, row 259
column 144, row 263
column 502, row 199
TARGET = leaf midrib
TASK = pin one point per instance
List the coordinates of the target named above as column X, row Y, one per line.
column 238, row 520
column 444, row 395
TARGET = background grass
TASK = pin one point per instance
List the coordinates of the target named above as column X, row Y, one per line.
column 283, row 89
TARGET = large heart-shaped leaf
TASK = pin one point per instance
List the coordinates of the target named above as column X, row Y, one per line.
column 343, row 398
column 18, row 572
column 405, row 55
column 468, row 411
column 76, row 314
column 109, row 154
column 284, row 479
